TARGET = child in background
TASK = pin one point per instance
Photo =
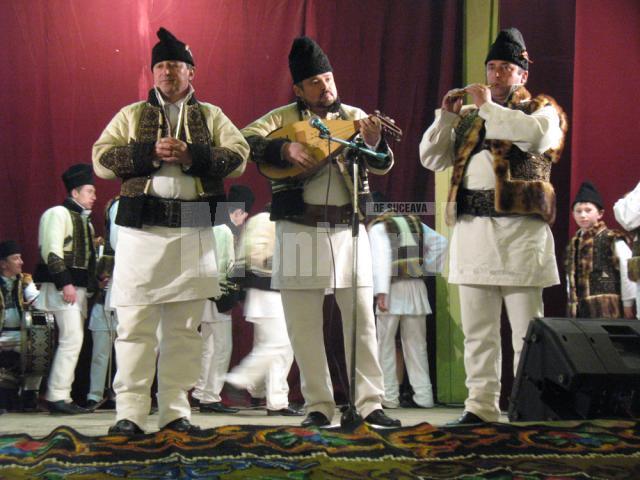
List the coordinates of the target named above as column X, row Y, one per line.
column 596, row 263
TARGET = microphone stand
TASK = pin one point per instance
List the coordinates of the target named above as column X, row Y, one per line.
column 350, row 418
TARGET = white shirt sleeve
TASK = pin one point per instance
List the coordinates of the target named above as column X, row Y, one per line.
column 628, row 288
column 380, row 258
column 436, row 146
column 627, row 210
column 435, row 250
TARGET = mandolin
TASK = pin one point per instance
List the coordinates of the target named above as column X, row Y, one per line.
column 322, row 149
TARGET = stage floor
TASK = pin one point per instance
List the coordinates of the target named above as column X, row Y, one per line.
column 42, row 423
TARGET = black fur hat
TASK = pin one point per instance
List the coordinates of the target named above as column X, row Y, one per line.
column 170, row 48
column 241, row 196
column 588, row 193
column 307, row 59
column 8, row 248
column 509, row 46
column 77, row 175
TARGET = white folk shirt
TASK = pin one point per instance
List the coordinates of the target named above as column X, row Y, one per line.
column 627, row 213
column 511, row 251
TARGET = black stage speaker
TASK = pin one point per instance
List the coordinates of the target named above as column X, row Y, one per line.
column 577, row 369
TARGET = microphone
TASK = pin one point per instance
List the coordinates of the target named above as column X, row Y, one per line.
column 316, row 123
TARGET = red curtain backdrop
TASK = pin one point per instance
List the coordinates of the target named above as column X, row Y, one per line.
column 605, row 106
column 74, row 63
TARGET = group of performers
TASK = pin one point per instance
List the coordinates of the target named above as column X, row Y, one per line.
column 179, row 251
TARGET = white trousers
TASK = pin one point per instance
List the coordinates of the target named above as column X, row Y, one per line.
column 100, row 359
column 264, row 371
column 304, row 316
column 480, row 307
column 70, row 335
column 413, row 333
column 171, row 330
column 217, row 343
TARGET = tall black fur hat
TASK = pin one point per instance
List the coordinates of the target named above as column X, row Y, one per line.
column 170, row 48
column 77, row 175
column 241, row 196
column 509, row 46
column 588, row 193
column 307, row 59
column 8, row 248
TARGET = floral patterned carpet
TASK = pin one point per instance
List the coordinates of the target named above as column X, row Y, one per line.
column 598, row 449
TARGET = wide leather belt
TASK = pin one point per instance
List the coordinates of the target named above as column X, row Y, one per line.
column 325, row 214
column 161, row 212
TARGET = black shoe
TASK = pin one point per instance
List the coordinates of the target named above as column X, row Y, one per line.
column 378, row 418
column 125, row 427
column 285, row 412
column 315, row 419
column 182, row 425
column 467, row 418
column 29, row 401
column 216, row 407
column 64, row 408
column 93, row 405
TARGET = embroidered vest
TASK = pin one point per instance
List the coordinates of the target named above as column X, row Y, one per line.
column 13, row 298
column 522, row 178
column 407, row 244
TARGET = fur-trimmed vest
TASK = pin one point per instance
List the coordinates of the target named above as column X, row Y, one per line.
column 593, row 274
column 522, row 178
column 407, row 244
column 17, row 295
column 633, row 265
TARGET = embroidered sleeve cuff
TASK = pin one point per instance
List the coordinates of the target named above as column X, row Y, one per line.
column 265, row 150
column 142, row 159
column 201, row 159
column 61, row 279
column 380, row 163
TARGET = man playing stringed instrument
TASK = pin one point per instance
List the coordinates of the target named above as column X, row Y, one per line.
column 313, row 249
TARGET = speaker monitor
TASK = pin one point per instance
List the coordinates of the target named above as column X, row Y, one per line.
column 578, row 369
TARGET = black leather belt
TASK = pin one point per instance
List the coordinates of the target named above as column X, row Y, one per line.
column 160, row 212
column 325, row 214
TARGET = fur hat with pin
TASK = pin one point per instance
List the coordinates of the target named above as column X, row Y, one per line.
column 170, row 48
column 509, row 46
column 588, row 193
column 306, row 59
column 77, row 175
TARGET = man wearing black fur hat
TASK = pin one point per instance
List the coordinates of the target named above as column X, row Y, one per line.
column 17, row 291
column 67, row 273
column 501, row 149
column 172, row 153
column 299, row 205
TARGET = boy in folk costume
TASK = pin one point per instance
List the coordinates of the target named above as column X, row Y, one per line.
column 596, row 263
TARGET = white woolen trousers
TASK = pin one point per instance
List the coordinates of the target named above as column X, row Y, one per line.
column 100, row 359
column 172, row 329
column 266, row 367
column 480, row 307
column 70, row 335
column 304, row 316
column 413, row 333
column 217, row 343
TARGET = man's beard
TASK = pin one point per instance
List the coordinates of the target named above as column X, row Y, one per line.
column 333, row 108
